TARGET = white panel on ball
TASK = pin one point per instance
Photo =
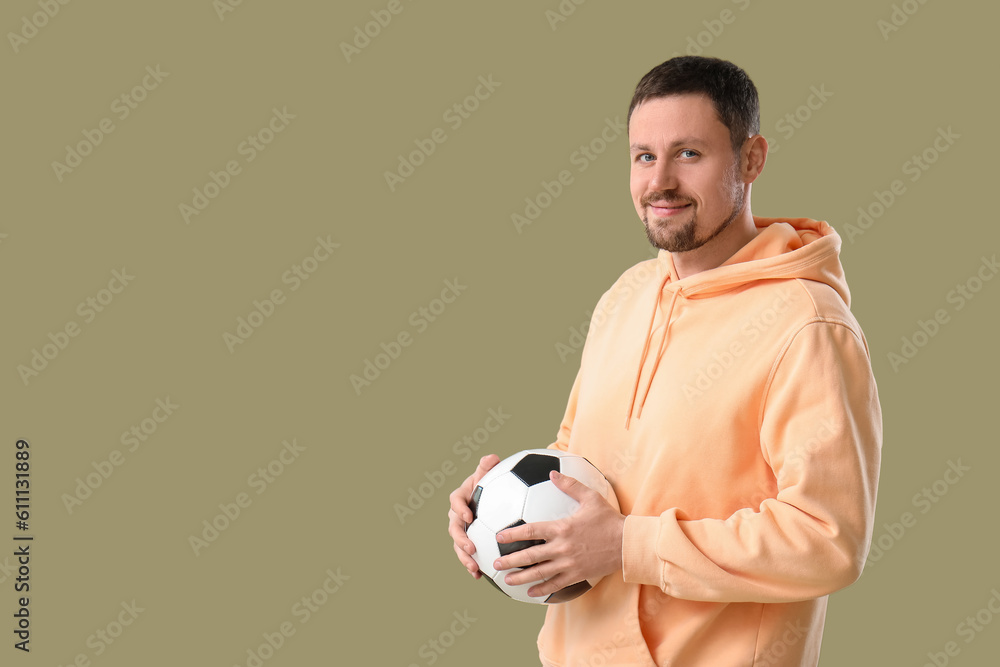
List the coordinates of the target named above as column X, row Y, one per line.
column 519, row 593
column 502, row 502
column 487, row 550
column 545, row 502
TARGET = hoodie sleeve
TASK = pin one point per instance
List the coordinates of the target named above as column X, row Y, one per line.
column 821, row 433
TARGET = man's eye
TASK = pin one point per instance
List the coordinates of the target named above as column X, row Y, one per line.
column 643, row 156
column 688, row 150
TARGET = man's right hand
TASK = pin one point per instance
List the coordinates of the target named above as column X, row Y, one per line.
column 460, row 515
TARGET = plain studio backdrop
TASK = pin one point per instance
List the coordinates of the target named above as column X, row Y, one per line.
column 277, row 274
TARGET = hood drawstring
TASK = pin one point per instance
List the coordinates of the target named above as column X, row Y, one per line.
column 645, row 350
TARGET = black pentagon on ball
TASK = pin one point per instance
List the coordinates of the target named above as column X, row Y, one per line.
column 495, row 585
column 508, row 548
column 535, row 468
column 571, row 592
column 474, row 502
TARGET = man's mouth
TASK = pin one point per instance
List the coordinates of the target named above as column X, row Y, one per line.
column 663, row 209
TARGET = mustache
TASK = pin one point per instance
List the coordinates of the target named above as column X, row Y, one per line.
column 664, row 199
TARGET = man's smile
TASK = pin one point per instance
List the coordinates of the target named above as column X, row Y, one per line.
column 666, row 209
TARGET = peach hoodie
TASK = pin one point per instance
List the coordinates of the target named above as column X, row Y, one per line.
column 736, row 415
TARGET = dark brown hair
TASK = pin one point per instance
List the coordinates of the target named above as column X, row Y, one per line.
column 730, row 89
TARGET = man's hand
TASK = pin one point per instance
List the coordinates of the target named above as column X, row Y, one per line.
column 460, row 515
column 586, row 545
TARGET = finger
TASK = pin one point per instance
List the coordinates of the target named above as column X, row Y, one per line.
column 540, row 591
column 571, row 486
column 468, row 562
column 456, row 529
column 523, row 558
column 530, row 575
column 538, row 530
column 485, row 465
column 460, row 498
column 547, row 588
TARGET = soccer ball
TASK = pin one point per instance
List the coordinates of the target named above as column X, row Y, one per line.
column 518, row 491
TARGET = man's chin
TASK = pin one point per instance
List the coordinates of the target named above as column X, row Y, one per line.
column 665, row 242
column 671, row 241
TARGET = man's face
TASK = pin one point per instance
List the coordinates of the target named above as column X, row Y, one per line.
column 685, row 177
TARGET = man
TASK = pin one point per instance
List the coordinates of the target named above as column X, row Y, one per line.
column 726, row 392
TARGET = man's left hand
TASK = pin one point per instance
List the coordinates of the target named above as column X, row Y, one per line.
column 586, row 545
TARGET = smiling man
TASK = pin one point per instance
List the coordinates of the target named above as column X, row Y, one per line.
column 726, row 391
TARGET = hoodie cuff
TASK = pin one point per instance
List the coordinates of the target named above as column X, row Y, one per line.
column 640, row 564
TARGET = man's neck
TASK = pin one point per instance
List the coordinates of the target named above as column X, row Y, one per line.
column 739, row 232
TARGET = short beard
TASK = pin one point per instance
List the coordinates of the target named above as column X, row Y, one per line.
column 684, row 239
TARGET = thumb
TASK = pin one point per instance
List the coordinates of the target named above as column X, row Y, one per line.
column 485, row 465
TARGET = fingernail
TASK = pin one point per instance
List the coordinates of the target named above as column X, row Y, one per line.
column 496, row 565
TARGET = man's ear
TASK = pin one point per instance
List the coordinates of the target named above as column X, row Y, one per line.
column 753, row 156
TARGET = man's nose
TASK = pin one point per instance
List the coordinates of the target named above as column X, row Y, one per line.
column 663, row 177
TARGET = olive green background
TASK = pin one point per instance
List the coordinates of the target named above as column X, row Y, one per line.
column 494, row 347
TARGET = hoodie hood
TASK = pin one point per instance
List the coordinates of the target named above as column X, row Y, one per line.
column 784, row 249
